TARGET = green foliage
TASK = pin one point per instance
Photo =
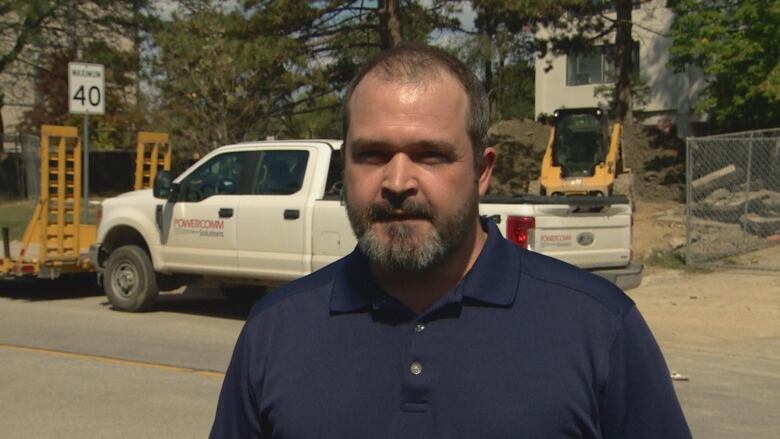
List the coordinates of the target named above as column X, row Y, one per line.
column 15, row 216
column 737, row 45
column 267, row 68
column 229, row 76
column 502, row 50
column 640, row 92
column 576, row 26
column 515, row 91
column 114, row 130
column 49, row 34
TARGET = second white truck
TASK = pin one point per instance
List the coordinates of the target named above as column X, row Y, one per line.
column 265, row 213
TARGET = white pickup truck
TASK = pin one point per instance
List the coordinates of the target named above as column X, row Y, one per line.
column 264, row 213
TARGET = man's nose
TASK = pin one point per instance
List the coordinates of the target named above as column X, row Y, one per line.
column 399, row 178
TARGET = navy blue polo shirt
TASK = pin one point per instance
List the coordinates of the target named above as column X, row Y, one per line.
column 524, row 347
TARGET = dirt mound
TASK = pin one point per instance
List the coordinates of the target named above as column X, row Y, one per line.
column 520, row 145
column 656, row 158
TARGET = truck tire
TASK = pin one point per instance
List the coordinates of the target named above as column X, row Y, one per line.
column 129, row 279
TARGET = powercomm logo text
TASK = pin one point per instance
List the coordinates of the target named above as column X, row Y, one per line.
column 203, row 227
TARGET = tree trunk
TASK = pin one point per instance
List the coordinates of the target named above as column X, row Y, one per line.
column 624, row 67
column 389, row 23
column 2, row 122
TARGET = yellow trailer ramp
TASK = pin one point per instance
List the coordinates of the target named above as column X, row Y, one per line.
column 152, row 154
column 55, row 241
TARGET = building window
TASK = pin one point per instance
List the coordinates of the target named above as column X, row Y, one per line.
column 596, row 66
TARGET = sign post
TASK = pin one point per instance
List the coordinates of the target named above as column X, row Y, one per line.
column 86, row 95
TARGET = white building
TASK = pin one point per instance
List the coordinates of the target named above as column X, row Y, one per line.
column 573, row 80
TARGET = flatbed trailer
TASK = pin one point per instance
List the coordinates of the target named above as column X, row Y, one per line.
column 55, row 241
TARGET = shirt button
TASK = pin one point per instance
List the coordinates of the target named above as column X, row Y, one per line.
column 420, row 327
column 416, row 368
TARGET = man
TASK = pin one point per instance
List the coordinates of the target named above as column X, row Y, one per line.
column 436, row 326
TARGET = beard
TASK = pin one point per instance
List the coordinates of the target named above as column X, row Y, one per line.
column 404, row 248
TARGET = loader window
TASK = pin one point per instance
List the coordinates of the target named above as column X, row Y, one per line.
column 579, row 144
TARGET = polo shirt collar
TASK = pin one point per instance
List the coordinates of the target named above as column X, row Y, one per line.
column 493, row 279
column 495, row 276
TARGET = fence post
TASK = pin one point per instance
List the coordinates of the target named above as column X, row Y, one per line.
column 747, row 191
column 688, row 197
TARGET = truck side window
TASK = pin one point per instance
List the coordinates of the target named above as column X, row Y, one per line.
column 280, row 172
column 334, row 183
column 220, row 175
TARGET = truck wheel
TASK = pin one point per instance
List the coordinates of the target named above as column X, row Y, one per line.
column 130, row 283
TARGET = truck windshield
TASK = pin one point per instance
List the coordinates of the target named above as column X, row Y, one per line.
column 579, row 144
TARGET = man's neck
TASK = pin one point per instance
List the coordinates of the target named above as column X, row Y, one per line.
column 419, row 291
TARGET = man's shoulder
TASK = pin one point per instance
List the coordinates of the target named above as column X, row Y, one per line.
column 314, row 286
column 562, row 278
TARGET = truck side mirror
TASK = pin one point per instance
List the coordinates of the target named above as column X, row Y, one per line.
column 162, row 184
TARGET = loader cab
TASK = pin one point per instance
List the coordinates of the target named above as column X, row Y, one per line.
column 581, row 141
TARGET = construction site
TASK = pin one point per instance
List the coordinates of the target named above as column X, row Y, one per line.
column 715, row 318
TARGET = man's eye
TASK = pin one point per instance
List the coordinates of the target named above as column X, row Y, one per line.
column 433, row 157
column 371, row 157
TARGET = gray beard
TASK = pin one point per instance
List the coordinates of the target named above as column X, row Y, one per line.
column 408, row 251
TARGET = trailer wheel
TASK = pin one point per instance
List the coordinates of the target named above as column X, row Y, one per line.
column 130, row 283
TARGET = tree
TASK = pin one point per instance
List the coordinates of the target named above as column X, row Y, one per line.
column 40, row 37
column 389, row 23
column 224, row 77
column 575, row 25
column 737, row 45
column 624, row 65
column 501, row 48
column 21, row 26
column 231, row 73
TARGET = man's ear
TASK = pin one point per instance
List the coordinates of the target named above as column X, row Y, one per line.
column 486, row 163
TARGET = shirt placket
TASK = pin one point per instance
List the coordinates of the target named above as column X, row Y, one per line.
column 414, row 417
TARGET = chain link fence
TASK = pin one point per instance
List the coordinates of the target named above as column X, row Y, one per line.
column 733, row 200
column 110, row 172
column 20, row 166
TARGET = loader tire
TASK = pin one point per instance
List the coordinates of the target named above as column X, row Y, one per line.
column 129, row 279
column 534, row 187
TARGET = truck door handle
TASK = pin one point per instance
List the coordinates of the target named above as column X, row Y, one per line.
column 158, row 216
column 225, row 212
column 291, row 214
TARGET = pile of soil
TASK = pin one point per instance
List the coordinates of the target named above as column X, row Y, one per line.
column 655, row 157
column 520, row 145
column 657, row 160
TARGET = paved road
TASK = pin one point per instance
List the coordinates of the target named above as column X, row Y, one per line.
column 70, row 367
column 733, row 392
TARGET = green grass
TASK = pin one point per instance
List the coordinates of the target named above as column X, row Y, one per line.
column 672, row 260
column 15, row 216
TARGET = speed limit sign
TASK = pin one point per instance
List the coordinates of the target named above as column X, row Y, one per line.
column 86, row 88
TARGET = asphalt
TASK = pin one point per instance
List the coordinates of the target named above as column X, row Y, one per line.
column 71, row 367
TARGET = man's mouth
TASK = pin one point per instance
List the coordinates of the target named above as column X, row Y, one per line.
column 400, row 218
column 379, row 213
